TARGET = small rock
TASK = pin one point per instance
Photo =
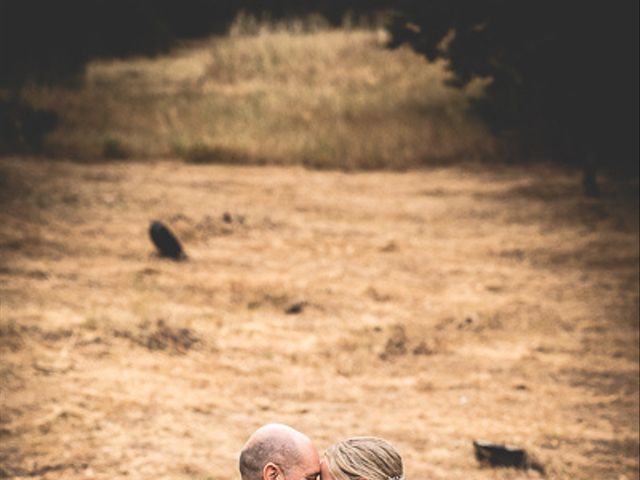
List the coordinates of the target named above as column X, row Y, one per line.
column 165, row 241
column 495, row 455
column 263, row 404
column 296, row 308
column 227, row 218
column 470, row 321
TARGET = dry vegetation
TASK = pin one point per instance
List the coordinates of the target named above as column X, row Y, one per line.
column 438, row 305
column 442, row 306
column 326, row 98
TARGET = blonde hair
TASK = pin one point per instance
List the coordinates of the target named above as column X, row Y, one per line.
column 367, row 458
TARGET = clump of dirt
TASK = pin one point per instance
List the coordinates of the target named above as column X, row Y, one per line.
column 54, row 335
column 396, row 343
column 14, row 335
column 10, row 472
column 11, row 337
column 378, row 296
column 235, row 218
column 423, row 349
column 268, row 297
column 162, row 337
column 399, row 344
column 296, row 308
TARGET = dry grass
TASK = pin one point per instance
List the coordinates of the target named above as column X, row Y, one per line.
column 511, row 304
column 329, row 98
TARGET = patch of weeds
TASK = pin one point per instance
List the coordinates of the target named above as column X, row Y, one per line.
column 162, row 337
column 13, row 335
column 396, row 343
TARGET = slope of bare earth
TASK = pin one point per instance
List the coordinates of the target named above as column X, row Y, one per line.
column 441, row 306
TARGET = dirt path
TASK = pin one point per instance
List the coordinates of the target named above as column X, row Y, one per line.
column 441, row 306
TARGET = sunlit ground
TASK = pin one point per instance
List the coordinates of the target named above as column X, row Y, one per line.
column 443, row 305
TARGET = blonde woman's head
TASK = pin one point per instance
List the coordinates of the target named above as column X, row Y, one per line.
column 362, row 458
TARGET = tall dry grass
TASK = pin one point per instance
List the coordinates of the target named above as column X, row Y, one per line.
column 295, row 92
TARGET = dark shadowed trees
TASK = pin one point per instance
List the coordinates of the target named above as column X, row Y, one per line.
column 563, row 75
column 50, row 42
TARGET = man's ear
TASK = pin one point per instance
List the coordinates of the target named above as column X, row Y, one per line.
column 270, row 471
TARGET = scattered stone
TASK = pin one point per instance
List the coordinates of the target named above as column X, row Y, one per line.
column 296, row 308
column 495, row 455
column 165, row 241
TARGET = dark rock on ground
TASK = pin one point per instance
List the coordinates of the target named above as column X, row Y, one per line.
column 496, row 455
column 165, row 241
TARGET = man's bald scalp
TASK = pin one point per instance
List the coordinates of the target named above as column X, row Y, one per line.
column 274, row 443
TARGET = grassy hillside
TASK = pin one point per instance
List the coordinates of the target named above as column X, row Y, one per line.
column 269, row 93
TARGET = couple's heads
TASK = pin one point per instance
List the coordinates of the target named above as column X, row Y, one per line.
column 278, row 452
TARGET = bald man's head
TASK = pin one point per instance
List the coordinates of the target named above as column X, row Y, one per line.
column 278, row 450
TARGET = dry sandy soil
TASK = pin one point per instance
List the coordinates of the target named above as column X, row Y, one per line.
column 441, row 305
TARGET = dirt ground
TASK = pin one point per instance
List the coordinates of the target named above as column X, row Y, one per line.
column 437, row 306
